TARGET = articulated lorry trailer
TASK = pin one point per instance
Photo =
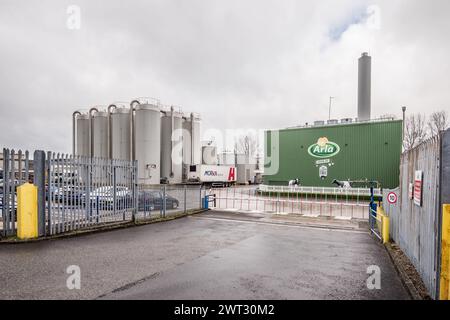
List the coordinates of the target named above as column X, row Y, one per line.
column 213, row 175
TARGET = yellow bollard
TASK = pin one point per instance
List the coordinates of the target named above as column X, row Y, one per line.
column 385, row 226
column 27, row 211
column 445, row 254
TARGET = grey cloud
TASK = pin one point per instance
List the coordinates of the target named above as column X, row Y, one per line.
column 263, row 64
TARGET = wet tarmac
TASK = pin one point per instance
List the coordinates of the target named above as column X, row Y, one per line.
column 208, row 256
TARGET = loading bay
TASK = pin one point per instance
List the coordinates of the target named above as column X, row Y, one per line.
column 213, row 255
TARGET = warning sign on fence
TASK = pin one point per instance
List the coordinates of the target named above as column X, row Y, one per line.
column 418, row 187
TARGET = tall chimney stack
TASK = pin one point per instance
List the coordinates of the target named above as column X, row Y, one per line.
column 364, row 86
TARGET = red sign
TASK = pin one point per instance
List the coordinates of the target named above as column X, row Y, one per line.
column 231, row 174
column 392, row 197
column 418, row 188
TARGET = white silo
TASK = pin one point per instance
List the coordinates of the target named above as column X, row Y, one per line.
column 192, row 149
column 196, row 152
column 83, row 144
column 120, row 134
column 100, row 134
column 187, row 141
column 364, row 86
column 171, row 146
column 147, row 127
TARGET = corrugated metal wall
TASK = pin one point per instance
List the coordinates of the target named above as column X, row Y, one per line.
column 367, row 151
column 416, row 229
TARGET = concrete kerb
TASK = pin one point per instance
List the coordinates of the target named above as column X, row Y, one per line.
column 102, row 228
column 406, row 281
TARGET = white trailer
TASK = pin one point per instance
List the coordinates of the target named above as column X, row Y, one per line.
column 212, row 174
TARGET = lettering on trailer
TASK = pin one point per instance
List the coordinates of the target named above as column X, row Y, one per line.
column 211, row 173
column 232, row 174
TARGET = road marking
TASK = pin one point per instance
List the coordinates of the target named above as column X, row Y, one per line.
column 226, row 210
column 312, row 215
column 342, row 218
column 284, row 224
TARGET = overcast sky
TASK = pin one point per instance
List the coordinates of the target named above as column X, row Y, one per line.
column 240, row 64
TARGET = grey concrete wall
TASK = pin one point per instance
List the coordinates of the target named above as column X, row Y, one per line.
column 416, row 229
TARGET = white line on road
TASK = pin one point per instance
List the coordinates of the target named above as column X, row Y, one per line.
column 284, row 224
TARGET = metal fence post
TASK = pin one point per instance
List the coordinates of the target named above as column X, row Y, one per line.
column 49, row 191
column 201, row 205
column 164, row 201
column 185, row 198
column 5, row 204
column 39, row 182
column 88, row 189
column 135, row 191
column 114, row 189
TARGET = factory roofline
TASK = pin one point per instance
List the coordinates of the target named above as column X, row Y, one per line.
column 338, row 124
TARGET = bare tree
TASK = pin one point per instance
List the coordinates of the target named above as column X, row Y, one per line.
column 438, row 122
column 246, row 144
column 415, row 131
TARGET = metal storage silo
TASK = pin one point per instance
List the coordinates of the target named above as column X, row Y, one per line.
column 171, row 146
column 120, row 134
column 147, row 127
column 83, row 144
column 187, row 141
column 100, row 134
column 196, row 152
column 191, row 142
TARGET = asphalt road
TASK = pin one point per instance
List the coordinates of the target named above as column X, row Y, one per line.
column 207, row 256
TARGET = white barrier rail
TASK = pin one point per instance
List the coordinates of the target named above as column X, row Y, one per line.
column 365, row 192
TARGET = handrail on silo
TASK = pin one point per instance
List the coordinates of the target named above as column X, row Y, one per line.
column 74, row 129
column 133, row 130
column 91, row 132
column 110, row 108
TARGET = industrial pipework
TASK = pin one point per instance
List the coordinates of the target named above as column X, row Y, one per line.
column 133, row 130
column 110, row 108
column 74, row 119
column 91, row 132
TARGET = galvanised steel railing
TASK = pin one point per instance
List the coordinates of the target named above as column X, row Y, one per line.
column 78, row 192
column 84, row 191
column 251, row 200
column 15, row 171
column 358, row 192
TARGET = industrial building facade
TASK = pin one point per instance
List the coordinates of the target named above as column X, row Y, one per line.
column 316, row 155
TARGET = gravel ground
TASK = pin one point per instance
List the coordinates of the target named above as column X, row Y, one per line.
column 405, row 266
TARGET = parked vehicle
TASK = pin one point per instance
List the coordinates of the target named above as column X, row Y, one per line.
column 214, row 175
column 12, row 206
column 104, row 197
column 70, row 195
column 156, row 198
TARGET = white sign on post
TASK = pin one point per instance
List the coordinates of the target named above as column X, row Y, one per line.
column 418, row 187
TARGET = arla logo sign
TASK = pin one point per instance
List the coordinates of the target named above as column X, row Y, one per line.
column 323, row 148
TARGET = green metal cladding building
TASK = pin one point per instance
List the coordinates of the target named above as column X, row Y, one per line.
column 319, row 154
